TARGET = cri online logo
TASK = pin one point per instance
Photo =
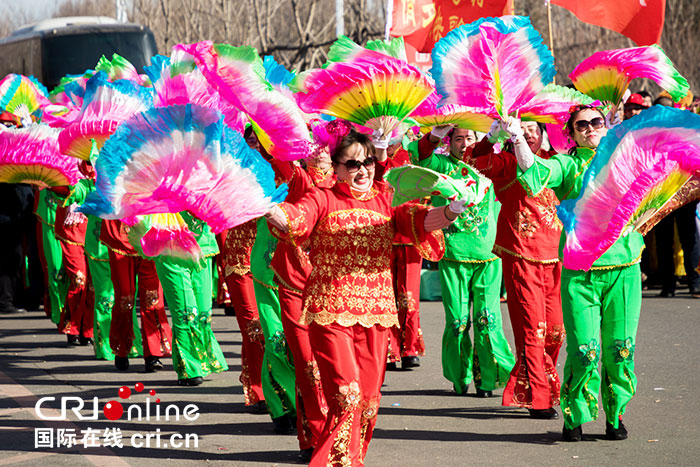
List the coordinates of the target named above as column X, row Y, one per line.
column 114, row 410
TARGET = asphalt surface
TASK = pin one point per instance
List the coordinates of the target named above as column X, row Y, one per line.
column 421, row 422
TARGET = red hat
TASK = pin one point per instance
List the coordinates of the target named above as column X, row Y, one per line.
column 636, row 99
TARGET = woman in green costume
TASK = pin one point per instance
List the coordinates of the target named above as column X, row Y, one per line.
column 188, row 293
column 278, row 378
column 56, row 282
column 601, row 306
column 470, row 276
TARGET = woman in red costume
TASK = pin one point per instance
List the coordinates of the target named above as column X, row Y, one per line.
column 527, row 240
column 348, row 301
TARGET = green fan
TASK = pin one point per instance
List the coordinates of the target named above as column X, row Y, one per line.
column 412, row 182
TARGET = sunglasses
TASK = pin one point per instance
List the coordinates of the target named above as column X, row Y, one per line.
column 354, row 165
column 581, row 125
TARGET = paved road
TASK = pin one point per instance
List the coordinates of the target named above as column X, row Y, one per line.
column 421, row 423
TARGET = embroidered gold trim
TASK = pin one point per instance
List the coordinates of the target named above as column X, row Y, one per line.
column 267, row 286
column 470, row 261
column 348, row 319
column 617, row 266
column 284, row 284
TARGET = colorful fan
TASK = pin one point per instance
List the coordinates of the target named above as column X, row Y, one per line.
column 553, row 104
column 277, row 75
column 394, row 48
column 411, row 182
column 429, row 114
column 690, row 191
column 178, row 81
column 22, row 96
column 238, row 74
column 182, row 158
column 105, row 106
column 640, row 165
column 31, row 155
column 120, row 68
column 498, row 64
column 166, row 236
column 362, row 86
column 605, row 75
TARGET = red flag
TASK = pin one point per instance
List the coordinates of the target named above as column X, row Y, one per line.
column 640, row 20
column 424, row 22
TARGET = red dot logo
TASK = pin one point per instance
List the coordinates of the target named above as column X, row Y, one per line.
column 113, row 410
column 157, row 401
column 138, row 387
column 124, row 392
column 152, row 392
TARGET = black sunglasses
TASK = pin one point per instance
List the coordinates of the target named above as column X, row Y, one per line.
column 353, row 165
column 581, row 125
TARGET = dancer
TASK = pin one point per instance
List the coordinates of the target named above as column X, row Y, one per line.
column 188, row 291
column 601, row 306
column 527, row 241
column 470, row 275
column 349, row 302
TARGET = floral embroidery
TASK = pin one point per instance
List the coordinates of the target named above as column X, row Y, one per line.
column 349, row 396
column 126, row 304
column 461, row 326
column 541, row 330
column 237, row 247
column 406, row 301
column 278, row 342
column 547, row 203
column 486, row 320
column 556, row 335
column 78, row 280
column 590, row 353
column 341, row 445
column 254, row 331
column 525, row 223
column 152, row 298
column 312, row 372
column 470, row 220
column 624, row 350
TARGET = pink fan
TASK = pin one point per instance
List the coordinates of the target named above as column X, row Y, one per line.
column 499, row 64
column 105, row 106
column 428, row 113
column 31, row 155
column 362, row 86
column 166, row 235
column 178, row 81
column 237, row 73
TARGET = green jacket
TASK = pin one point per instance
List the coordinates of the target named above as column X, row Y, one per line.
column 471, row 237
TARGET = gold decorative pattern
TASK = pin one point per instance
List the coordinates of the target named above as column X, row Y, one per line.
column 547, row 203
column 499, row 250
column 525, row 223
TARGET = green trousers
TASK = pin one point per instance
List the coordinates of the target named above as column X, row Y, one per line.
column 489, row 361
column 601, row 312
column 57, row 281
column 101, row 282
column 187, row 292
column 278, row 378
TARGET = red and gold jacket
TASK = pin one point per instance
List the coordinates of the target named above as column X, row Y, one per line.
column 350, row 236
column 528, row 228
column 73, row 234
column 290, row 262
column 237, row 247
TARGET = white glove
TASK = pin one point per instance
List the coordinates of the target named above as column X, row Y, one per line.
column 523, row 154
column 458, row 206
column 379, row 140
column 496, row 128
column 73, row 217
column 441, row 131
column 612, row 118
column 512, row 126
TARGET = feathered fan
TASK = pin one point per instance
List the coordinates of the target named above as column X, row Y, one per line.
column 605, row 75
column 31, row 155
column 238, row 74
column 639, row 166
column 182, row 158
column 498, row 64
column 363, row 86
column 105, row 106
column 430, row 114
column 22, row 96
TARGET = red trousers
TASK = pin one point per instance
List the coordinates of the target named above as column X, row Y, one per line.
column 406, row 341
column 352, row 361
column 534, row 305
column 222, row 295
column 78, row 313
column 240, row 288
column 311, row 405
column 155, row 330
